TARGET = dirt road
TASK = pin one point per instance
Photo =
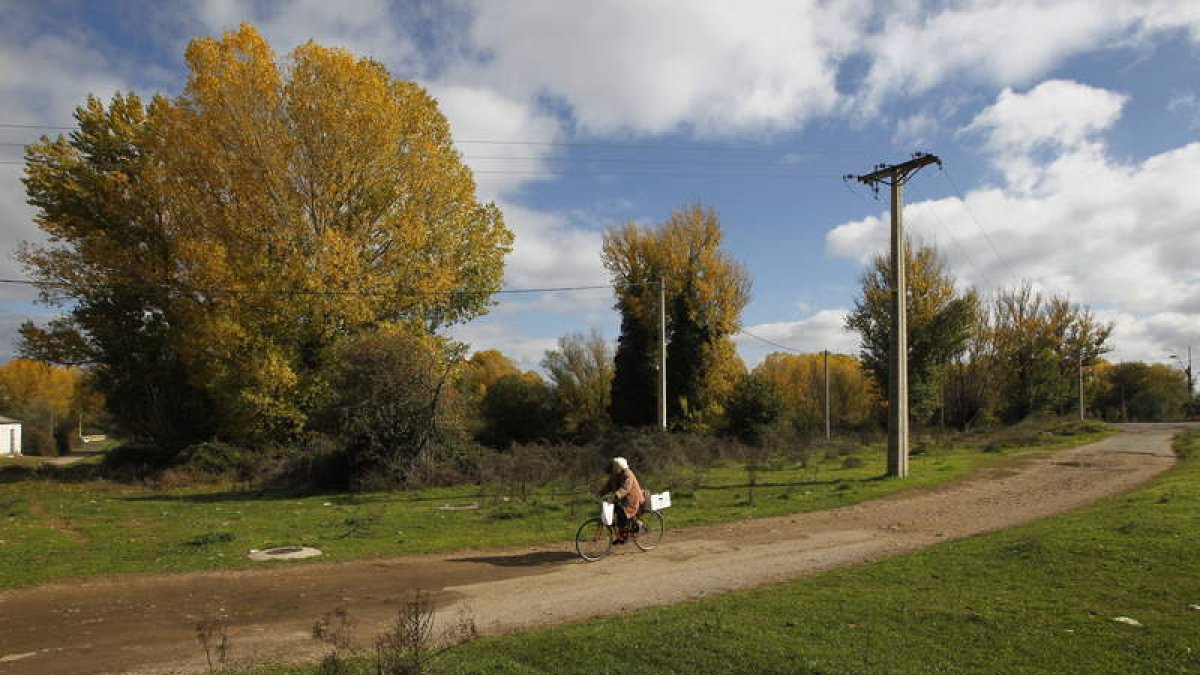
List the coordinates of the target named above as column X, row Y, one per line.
column 147, row 623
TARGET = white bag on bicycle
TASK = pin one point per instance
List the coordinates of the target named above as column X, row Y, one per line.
column 660, row 501
column 606, row 512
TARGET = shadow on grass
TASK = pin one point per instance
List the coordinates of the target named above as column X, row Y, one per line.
column 536, row 559
column 796, row 484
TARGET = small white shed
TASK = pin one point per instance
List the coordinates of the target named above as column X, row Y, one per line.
column 10, row 437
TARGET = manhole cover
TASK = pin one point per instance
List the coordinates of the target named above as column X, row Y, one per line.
column 284, row 553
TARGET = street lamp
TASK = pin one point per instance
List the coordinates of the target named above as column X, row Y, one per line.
column 1187, row 369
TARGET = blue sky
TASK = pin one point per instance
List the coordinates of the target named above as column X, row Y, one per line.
column 1069, row 132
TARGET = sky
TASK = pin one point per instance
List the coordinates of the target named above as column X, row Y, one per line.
column 1069, row 134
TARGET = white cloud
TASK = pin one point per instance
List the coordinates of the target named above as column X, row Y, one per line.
column 506, row 142
column 1056, row 114
column 549, row 252
column 1002, row 42
column 1187, row 105
column 916, row 130
column 365, row 27
column 824, row 329
column 708, row 65
column 1153, row 338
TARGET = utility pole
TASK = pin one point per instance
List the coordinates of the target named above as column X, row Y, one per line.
column 1080, row 386
column 1187, row 370
column 662, row 355
column 896, row 175
column 826, row 394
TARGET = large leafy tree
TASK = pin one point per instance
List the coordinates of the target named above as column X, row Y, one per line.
column 1039, row 344
column 235, row 234
column 705, row 292
column 1140, row 392
column 800, row 381
column 940, row 321
column 581, row 371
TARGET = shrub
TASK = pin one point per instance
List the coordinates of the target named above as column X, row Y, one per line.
column 137, row 458
column 38, row 443
column 215, row 458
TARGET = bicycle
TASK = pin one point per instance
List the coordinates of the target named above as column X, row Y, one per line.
column 594, row 539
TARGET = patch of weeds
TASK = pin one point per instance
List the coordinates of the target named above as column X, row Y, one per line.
column 409, row 647
column 510, row 511
column 852, row 462
column 1026, row 548
column 210, row 538
column 334, row 628
column 359, row 526
column 213, row 636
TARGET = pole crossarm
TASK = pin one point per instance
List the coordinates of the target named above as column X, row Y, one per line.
column 897, row 174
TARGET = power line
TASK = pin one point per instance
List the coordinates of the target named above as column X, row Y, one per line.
column 594, row 172
column 306, row 292
column 971, row 213
column 784, row 347
column 10, row 125
column 950, row 235
column 689, row 147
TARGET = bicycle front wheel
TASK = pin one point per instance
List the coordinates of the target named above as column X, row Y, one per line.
column 651, row 534
column 593, row 541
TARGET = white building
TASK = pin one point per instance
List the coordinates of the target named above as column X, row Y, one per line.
column 10, row 437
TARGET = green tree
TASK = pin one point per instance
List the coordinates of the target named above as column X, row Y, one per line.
column 705, row 291
column 520, row 409
column 940, row 320
column 1140, row 392
column 755, row 405
column 391, row 401
column 236, row 234
column 581, row 372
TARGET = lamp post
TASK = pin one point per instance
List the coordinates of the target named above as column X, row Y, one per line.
column 1187, row 369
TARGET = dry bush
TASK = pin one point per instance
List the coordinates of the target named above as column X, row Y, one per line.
column 213, row 636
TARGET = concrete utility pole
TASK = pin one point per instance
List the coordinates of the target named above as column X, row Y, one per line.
column 826, row 394
column 896, row 175
column 662, row 358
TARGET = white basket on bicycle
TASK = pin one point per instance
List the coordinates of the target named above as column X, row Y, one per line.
column 660, row 501
column 607, row 509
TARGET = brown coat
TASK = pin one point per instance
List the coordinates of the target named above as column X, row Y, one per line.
column 628, row 490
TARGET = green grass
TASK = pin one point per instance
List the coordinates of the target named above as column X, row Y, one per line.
column 52, row 529
column 1035, row 599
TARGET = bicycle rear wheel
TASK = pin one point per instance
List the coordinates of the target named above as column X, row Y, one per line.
column 593, row 541
column 651, row 534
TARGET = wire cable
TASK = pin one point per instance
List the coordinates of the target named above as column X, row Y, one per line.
column 346, row 292
column 971, row 213
column 784, row 347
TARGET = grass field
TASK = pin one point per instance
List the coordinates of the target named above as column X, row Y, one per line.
column 51, row 529
column 1040, row 598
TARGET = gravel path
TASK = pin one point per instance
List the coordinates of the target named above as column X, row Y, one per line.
column 147, row 623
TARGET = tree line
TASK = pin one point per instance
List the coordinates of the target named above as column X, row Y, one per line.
column 274, row 255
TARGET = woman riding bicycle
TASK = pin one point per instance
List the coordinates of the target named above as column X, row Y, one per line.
column 624, row 485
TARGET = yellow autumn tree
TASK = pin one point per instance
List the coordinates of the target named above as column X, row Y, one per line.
column 705, row 291
column 26, row 385
column 282, row 206
column 800, row 381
